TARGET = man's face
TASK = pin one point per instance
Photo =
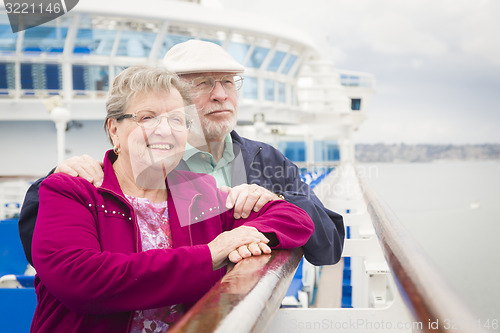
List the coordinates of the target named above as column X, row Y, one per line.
column 217, row 109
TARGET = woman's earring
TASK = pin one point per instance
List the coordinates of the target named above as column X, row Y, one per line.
column 116, row 149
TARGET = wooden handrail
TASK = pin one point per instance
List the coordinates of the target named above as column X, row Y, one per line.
column 245, row 299
column 427, row 294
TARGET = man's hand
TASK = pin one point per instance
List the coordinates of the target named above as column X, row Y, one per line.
column 83, row 166
column 244, row 198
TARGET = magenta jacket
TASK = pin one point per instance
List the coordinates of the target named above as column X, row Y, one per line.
column 91, row 271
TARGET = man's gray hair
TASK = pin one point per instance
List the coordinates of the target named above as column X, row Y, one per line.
column 139, row 80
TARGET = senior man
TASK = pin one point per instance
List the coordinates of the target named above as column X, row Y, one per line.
column 215, row 148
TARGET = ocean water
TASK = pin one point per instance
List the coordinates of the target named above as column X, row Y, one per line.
column 452, row 209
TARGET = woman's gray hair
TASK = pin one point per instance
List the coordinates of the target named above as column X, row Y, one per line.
column 138, row 80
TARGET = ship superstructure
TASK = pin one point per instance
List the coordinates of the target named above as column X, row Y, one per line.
column 290, row 94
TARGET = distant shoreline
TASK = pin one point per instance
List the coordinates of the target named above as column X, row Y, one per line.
column 381, row 152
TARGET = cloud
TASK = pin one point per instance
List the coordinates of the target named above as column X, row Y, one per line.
column 394, row 34
column 480, row 35
column 418, row 27
column 436, row 62
column 432, row 28
column 416, row 63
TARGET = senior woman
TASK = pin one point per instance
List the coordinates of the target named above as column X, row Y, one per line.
column 136, row 253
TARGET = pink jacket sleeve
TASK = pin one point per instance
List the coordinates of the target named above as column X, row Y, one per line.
column 71, row 264
column 292, row 225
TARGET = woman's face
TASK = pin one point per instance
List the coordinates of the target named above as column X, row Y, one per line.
column 150, row 147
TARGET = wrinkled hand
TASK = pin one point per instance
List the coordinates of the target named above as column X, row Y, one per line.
column 245, row 251
column 233, row 241
column 83, row 166
column 244, row 198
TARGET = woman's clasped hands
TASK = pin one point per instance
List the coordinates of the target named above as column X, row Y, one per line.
column 237, row 244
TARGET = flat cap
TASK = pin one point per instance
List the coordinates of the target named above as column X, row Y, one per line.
column 196, row 56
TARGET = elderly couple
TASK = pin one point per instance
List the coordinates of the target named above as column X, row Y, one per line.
column 130, row 245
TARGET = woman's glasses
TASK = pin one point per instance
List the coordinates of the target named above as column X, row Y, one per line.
column 178, row 121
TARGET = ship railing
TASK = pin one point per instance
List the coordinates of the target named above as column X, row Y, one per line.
column 317, row 165
column 427, row 294
column 247, row 298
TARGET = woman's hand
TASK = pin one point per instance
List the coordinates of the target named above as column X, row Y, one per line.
column 245, row 251
column 237, row 244
column 83, row 166
column 244, row 198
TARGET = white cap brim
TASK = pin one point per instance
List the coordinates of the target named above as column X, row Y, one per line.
column 196, row 56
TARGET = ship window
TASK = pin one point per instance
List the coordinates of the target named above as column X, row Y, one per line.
column 94, row 41
column 91, row 78
column 26, row 76
column 39, row 77
column 333, row 153
column 250, row 88
column 356, row 104
column 293, row 150
column 45, row 39
column 269, row 90
column 281, row 92
column 238, row 51
column 275, row 63
column 326, row 150
column 7, row 76
column 53, row 77
column 215, row 41
column 169, row 41
column 351, row 81
column 136, row 44
column 289, row 63
column 344, row 80
column 257, row 58
column 78, row 77
column 119, row 69
column 7, row 38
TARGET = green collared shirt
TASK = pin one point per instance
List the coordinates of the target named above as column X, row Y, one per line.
column 203, row 162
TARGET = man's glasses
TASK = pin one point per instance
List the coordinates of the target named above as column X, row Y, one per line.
column 205, row 85
column 178, row 121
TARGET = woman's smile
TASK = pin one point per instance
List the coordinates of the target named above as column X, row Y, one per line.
column 161, row 146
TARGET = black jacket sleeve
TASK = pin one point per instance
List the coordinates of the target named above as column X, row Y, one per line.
column 326, row 243
column 27, row 217
column 270, row 169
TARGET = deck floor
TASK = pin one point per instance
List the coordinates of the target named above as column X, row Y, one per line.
column 329, row 293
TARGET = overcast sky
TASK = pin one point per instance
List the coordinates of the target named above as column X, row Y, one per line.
column 436, row 62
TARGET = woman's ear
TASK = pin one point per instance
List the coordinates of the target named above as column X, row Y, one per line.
column 113, row 131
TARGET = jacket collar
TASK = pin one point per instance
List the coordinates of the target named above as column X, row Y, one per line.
column 248, row 151
column 183, row 186
column 110, row 182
